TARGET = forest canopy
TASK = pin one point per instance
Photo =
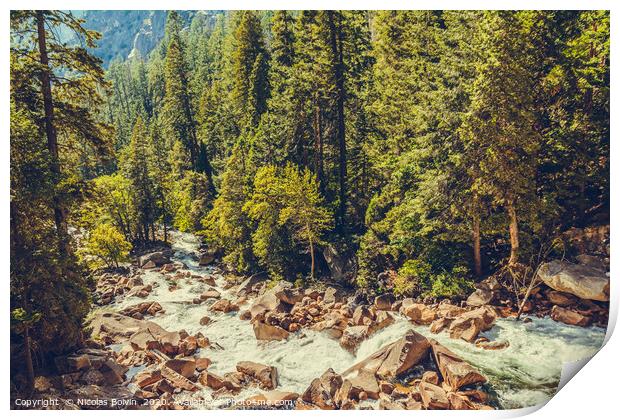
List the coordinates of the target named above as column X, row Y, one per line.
column 431, row 148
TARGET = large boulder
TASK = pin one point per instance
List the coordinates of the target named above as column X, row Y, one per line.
column 248, row 284
column 184, row 366
column 584, row 281
column 116, row 328
column 365, row 382
column 267, row 376
column 266, row 303
column 268, row 332
column 322, row 391
column 157, row 258
column 340, row 266
column 480, row 297
column 433, row 397
column 353, row 336
column 469, row 324
column 288, row 295
column 418, row 312
column 569, row 317
column 455, row 371
column 394, row 358
column 384, row 302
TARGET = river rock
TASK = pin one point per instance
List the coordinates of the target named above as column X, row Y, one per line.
column 116, row 327
column 266, row 303
column 480, row 297
column 433, row 397
column 430, row 377
column 322, row 390
column 223, row 305
column 353, row 336
column 248, row 284
column 394, row 358
column 569, row 317
column 177, row 380
column 440, row 324
column 580, row 280
column 560, row 299
column 460, row 402
column 112, row 372
column 455, row 371
column 289, row 295
column 384, row 302
column 157, row 258
column 184, row 366
column 274, row 399
column 210, row 294
column 469, row 324
column 448, row 310
column 382, row 320
column 147, row 377
column 418, row 312
column 365, row 381
column 206, row 258
column 332, row 295
column 268, row 332
column 267, row 376
column 493, row 345
column 202, row 363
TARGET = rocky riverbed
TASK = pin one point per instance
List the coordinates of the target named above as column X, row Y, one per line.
column 178, row 334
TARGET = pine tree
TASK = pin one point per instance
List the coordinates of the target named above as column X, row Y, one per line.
column 56, row 95
column 501, row 124
column 136, row 170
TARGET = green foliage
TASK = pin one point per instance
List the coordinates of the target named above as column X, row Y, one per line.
column 191, row 198
column 417, row 137
column 227, row 226
column 106, row 246
column 412, row 278
column 290, row 217
column 452, row 284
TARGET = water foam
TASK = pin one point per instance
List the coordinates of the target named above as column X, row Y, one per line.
column 524, row 374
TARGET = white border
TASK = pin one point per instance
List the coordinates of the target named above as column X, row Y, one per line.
column 591, row 394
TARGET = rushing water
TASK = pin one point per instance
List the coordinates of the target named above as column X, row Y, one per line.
column 524, row 374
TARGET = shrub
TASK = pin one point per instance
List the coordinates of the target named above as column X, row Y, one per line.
column 107, row 246
column 450, row 284
column 412, row 278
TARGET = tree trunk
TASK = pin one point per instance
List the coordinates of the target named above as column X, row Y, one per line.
column 28, row 359
column 318, row 135
column 514, row 233
column 476, row 240
column 312, row 260
column 336, row 47
column 50, row 132
column 311, row 252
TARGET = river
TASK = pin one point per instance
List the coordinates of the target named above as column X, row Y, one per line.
column 522, row 375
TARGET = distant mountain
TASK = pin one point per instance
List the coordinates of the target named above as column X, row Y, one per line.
column 126, row 33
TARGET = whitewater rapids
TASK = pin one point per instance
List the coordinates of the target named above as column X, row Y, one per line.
column 525, row 374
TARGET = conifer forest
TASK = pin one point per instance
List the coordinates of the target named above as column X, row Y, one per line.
column 240, row 208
